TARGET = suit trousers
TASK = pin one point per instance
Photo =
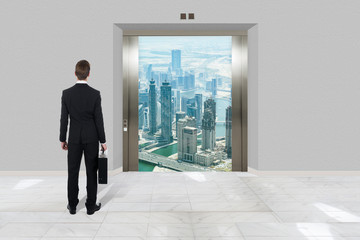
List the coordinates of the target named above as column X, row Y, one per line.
column 75, row 152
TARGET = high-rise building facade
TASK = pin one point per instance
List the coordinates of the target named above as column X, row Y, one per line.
column 165, row 100
column 184, row 102
column 144, row 98
column 211, row 104
column 181, row 124
column 146, row 119
column 208, row 125
column 228, row 131
column 189, row 139
column 198, row 101
column 152, row 108
column 176, row 59
column 189, row 81
column 179, row 115
column 208, row 130
column 180, row 81
column 178, row 101
column 141, row 116
column 213, row 87
column 173, row 103
column 191, row 110
column 149, row 72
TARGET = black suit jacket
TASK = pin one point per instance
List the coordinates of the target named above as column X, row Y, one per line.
column 83, row 104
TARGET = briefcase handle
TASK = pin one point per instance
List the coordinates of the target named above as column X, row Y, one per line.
column 102, row 153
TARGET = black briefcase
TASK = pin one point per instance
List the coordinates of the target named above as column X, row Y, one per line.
column 103, row 168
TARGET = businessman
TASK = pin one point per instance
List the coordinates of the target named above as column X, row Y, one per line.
column 83, row 104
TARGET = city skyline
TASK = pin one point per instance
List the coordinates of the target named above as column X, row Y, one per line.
column 196, row 51
column 184, row 104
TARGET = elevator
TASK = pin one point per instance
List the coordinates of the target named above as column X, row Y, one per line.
column 184, row 99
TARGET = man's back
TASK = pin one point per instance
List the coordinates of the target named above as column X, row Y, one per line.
column 83, row 104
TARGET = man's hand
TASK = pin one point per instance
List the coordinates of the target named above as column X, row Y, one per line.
column 103, row 146
column 64, row 145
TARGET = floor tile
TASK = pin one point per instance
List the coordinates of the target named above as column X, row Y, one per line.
column 168, row 198
column 127, row 217
column 122, row 230
column 170, row 230
column 137, row 207
column 27, row 229
column 170, row 217
column 73, row 230
column 232, row 217
column 185, row 206
column 170, row 206
column 216, row 229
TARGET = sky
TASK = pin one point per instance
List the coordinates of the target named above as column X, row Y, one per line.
column 197, row 52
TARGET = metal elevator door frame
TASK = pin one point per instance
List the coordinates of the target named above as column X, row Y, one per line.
column 239, row 95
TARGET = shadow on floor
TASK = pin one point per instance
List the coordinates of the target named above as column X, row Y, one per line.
column 109, row 191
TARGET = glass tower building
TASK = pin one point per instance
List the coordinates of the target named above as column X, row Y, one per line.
column 152, row 108
column 176, row 59
column 228, row 124
column 208, row 125
column 166, row 122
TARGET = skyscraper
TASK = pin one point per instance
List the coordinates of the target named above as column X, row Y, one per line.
column 208, row 125
column 179, row 115
column 211, row 104
column 141, row 116
column 146, row 119
column 198, row 101
column 228, row 131
column 144, row 98
column 191, row 111
column 166, row 123
column 213, row 87
column 152, row 108
column 178, row 101
column 189, row 81
column 176, row 59
column 173, row 103
column 184, row 102
column 180, row 81
column 208, row 130
column 182, row 142
column 181, row 123
column 189, row 139
column 149, row 72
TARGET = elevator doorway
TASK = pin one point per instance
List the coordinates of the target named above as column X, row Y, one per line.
column 185, row 102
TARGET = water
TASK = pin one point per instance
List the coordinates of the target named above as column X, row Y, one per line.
column 146, row 166
column 221, row 105
column 171, row 149
column 166, row 151
column 220, row 130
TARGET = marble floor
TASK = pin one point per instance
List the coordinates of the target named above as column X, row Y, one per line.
column 187, row 206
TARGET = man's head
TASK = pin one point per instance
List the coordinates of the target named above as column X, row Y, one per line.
column 82, row 69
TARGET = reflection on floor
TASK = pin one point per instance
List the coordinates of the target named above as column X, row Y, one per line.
column 185, row 205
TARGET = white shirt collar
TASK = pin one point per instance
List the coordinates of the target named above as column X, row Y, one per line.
column 81, row 81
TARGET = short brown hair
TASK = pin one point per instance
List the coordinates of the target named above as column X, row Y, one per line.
column 82, row 69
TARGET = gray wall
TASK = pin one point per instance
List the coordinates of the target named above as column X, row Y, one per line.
column 306, row 89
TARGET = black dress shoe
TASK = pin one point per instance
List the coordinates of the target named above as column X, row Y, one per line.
column 90, row 211
column 72, row 210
